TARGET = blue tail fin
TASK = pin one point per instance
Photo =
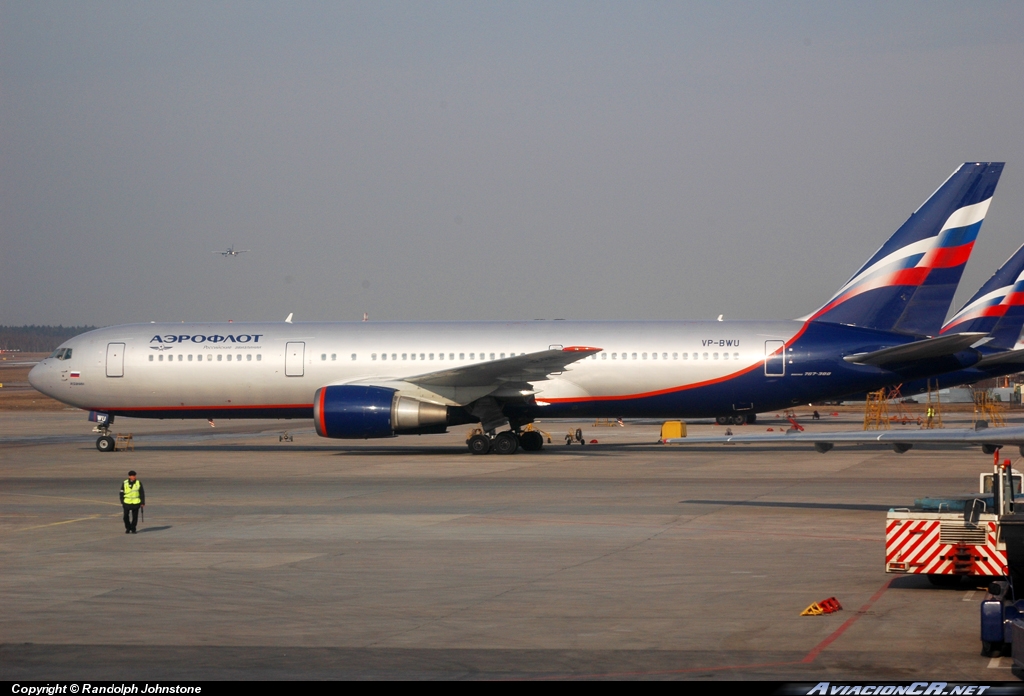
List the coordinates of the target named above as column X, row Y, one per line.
column 908, row 285
column 996, row 309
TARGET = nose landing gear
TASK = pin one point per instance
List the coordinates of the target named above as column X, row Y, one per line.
column 104, row 443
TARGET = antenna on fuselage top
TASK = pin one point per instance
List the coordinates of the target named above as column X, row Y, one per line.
column 720, row 317
column 288, row 319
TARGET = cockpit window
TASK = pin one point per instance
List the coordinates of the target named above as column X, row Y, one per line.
column 62, row 354
column 57, row 353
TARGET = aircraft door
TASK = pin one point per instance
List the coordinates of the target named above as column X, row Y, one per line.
column 774, row 358
column 115, row 360
column 294, row 357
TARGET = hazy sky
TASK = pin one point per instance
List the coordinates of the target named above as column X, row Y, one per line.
column 486, row 160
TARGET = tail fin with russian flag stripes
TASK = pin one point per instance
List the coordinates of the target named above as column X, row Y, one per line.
column 997, row 308
column 908, row 285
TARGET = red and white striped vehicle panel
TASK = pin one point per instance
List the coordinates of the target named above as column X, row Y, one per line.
column 942, row 544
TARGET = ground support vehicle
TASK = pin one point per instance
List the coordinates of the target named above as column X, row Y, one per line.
column 952, row 537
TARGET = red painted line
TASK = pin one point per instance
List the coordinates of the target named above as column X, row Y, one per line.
column 685, row 387
column 810, row 657
column 813, row 654
column 223, row 407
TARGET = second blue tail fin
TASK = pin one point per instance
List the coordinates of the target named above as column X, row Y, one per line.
column 997, row 308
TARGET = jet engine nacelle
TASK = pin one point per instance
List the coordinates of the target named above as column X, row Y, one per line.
column 350, row 411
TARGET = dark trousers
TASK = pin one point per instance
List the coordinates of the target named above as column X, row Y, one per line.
column 134, row 510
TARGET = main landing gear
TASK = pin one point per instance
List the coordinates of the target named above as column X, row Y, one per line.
column 508, row 442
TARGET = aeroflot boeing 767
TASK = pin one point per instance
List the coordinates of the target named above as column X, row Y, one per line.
column 379, row 379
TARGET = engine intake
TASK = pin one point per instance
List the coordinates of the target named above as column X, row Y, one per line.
column 356, row 412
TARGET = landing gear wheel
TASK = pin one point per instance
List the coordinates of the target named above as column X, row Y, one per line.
column 531, row 441
column 506, row 443
column 723, row 420
column 105, row 443
column 479, row 444
column 739, row 420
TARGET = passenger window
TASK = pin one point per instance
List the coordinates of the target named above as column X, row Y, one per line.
column 654, row 356
column 334, row 356
column 180, row 357
column 725, row 356
column 190, row 357
column 151, row 357
column 413, row 356
column 645, row 356
column 161, row 357
column 664, row 356
column 462, row 356
column 735, row 356
column 675, row 356
column 715, row 355
column 604, row 356
column 422, row 356
column 373, row 356
column 259, row 356
column 472, row 356
column 383, row 356
column 432, row 356
column 405, row 356
column 220, row 356
column 502, row 355
column 323, row 356
column 634, row 356
column 248, row 357
column 705, row 356
column 394, row 356
column 229, row 357
column 353, row 356
column 686, row 356
column 492, row 356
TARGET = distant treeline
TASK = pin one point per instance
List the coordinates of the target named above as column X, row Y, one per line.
column 37, row 339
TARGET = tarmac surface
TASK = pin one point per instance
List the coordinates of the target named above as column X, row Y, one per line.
column 411, row 558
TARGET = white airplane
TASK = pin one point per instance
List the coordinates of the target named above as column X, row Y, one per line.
column 231, row 251
column 380, row 379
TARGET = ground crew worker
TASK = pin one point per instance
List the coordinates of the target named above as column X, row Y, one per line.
column 931, row 414
column 133, row 497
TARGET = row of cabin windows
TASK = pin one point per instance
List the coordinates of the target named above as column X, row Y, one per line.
column 664, row 356
column 440, row 356
column 493, row 356
column 209, row 357
column 451, row 356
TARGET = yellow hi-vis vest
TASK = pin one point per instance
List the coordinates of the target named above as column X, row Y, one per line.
column 131, row 492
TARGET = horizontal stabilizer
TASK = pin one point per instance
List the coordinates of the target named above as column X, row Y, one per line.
column 1005, row 358
column 925, row 349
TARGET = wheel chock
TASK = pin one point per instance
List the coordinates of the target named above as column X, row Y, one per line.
column 825, row 606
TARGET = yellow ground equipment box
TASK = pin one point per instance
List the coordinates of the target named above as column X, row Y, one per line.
column 673, row 429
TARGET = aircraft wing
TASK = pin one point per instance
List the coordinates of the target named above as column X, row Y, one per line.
column 918, row 350
column 530, row 367
column 901, row 439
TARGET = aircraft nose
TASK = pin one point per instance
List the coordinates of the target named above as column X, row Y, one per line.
column 38, row 377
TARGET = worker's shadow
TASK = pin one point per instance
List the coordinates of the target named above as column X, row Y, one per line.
column 154, row 529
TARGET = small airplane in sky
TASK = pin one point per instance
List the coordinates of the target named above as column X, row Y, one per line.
column 231, row 251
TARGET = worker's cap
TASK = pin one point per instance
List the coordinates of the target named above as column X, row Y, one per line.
column 131, row 473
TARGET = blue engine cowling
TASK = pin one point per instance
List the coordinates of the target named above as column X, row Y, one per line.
column 349, row 411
